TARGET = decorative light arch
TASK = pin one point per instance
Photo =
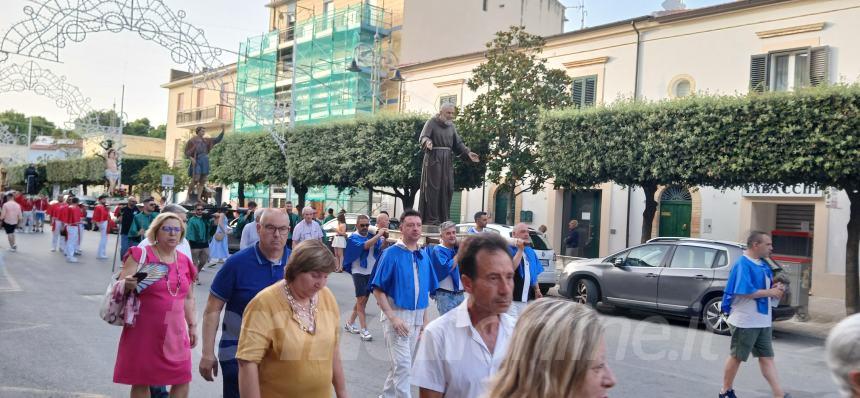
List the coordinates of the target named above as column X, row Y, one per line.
column 7, row 137
column 51, row 24
column 31, row 77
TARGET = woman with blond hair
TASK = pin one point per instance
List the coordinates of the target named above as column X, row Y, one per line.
column 557, row 351
column 289, row 343
column 156, row 349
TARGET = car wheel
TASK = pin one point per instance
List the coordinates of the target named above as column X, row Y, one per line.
column 585, row 292
column 714, row 318
column 544, row 288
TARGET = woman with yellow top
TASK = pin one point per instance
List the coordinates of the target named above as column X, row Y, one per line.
column 289, row 345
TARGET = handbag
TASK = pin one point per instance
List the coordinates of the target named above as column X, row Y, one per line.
column 119, row 308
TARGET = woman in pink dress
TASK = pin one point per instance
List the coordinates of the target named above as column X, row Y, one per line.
column 157, row 349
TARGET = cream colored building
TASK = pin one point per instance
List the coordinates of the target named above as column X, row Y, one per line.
column 193, row 103
column 721, row 49
column 133, row 147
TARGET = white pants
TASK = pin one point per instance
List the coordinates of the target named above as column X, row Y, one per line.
column 57, row 239
column 401, row 351
column 71, row 240
column 103, row 226
column 517, row 308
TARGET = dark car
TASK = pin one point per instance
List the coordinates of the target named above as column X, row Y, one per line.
column 678, row 277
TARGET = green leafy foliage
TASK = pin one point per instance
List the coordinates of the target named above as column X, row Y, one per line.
column 807, row 137
column 247, row 158
column 15, row 177
column 501, row 123
column 19, row 123
column 149, row 178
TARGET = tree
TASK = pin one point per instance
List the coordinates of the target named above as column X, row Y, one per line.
column 19, row 123
column 159, row 132
column 139, row 127
column 149, row 177
column 247, row 159
column 776, row 139
column 518, row 85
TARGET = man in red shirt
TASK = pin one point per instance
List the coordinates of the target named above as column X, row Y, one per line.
column 72, row 220
column 26, row 208
column 100, row 220
column 58, row 213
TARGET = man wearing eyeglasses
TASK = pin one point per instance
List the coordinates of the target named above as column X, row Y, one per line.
column 242, row 276
column 362, row 251
column 197, row 232
column 141, row 222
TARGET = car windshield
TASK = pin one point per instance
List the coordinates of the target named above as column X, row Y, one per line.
column 539, row 242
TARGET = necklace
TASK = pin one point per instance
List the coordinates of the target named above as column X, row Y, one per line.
column 304, row 315
column 175, row 291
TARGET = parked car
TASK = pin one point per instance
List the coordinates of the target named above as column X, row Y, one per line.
column 549, row 277
column 233, row 239
column 89, row 203
column 331, row 226
column 673, row 276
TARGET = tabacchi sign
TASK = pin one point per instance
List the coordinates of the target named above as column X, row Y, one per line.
column 784, row 191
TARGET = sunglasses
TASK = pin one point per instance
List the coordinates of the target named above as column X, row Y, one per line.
column 198, row 209
column 363, row 225
column 171, row 230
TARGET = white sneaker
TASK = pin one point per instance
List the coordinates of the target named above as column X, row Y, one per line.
column 71, row 259
column 53, row 249
column 13, row 249
column 365, row 335
column 350, row 328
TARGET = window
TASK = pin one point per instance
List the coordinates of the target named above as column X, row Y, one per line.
column 646, row 256
column 180, row 101
column 485, row 5
column 788, row 70
column 584, row 91
column 200, row 97
column 693, row 257
column 447, row 99
column 682, row 88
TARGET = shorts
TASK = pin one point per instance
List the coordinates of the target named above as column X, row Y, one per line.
column 758, row 341
column 339, row 241
column 361, row 283
column 9, row 228
column 40, row 216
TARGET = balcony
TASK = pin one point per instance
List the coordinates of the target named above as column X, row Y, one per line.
column 208, row 116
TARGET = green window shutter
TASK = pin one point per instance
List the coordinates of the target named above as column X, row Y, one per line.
column 454, row 210
column 759, row 73
column 578, row 91
column 590, row 91
column 819, row 65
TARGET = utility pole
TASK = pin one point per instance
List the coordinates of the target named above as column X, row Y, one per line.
column 29, row 136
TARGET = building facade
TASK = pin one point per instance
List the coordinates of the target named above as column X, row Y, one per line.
column 726, row 49
column 133, row 147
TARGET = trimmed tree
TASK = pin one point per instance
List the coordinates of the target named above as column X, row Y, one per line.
column 516, row 85
column 247, row 158
column 808, row 137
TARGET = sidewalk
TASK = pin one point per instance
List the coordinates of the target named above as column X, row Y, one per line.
column 824, row 314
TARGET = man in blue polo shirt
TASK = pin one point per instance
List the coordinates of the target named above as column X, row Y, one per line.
column 401, row 285
column 241, row 277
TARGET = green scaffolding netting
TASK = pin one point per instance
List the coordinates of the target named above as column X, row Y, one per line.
column 255, row 83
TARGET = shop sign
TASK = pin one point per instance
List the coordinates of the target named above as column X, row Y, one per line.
column 783, row 191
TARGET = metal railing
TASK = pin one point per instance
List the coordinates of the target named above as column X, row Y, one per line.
column 203, row 115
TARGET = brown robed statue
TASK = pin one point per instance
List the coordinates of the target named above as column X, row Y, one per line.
column 438, row 139
column 197, row 151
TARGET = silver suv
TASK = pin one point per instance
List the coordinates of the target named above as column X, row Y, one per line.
column 549, row 277
column 680, row 277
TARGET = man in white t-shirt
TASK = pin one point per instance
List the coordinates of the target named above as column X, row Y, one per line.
column 748, row 299
column 462, row 349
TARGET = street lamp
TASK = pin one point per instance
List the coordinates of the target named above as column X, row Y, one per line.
column 381, row 62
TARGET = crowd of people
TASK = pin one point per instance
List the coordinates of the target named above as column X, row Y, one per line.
column 281, row 327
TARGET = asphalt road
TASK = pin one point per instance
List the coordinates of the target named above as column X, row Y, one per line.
column 52, row 343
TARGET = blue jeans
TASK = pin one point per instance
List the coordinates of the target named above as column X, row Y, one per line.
column 447, row 301
column 123, row 244
column 230, row 376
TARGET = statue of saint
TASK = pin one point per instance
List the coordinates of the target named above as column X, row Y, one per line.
column 438, row 139
column 112, row 170
column 197, row 150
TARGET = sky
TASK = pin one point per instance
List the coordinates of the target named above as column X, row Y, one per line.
column 103, row 62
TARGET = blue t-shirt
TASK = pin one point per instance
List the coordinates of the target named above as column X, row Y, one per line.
column 243, row 275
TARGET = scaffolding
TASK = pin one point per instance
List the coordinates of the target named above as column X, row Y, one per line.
column 255, row 83
column 325, row 88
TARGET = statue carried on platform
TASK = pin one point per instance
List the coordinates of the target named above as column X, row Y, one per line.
column 197, row 150
column 438, row 139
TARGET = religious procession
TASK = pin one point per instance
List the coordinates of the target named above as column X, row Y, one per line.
column 544, row 198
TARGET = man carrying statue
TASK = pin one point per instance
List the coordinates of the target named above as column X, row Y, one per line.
column 438, row 139
column 197, row 150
